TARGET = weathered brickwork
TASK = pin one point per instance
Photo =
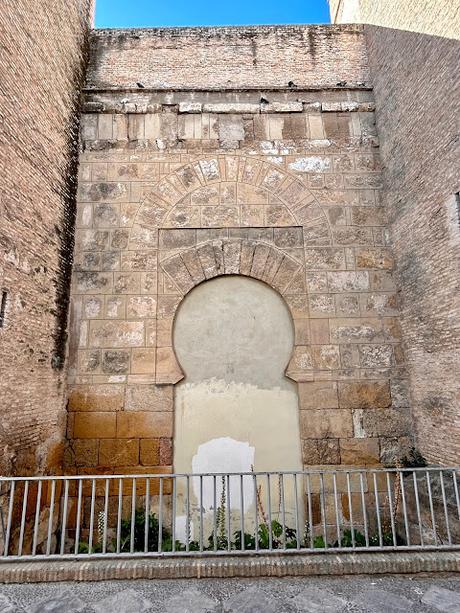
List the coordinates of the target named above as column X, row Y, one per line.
column 414, row 64
column 181, row 186
column 41, row 69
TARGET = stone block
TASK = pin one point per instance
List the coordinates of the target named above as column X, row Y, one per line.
column 117, row 333
column 386, row 422
column 127, row 283
column 379, row 258
column 348, row 281
column 116, row 452
column 150, row 452
column 318, row 395
column 326, row 357
column 319, row 331
column 97, row 192
column 85, row 452
column 364, row 395
column 282, row 107
column 92, row 282
column 318, row 452
column 326, row 423
column 321, row 305
column 143, row 361
column 137, row 424
column 324, row 258
column 166, row 451
column 190, row 107
column 356, row 330
column 115, row 362
column 360, row 451
column 167, row 367
column 141, row 307
column 376, row 356
column 95, row 425
column 96, row 398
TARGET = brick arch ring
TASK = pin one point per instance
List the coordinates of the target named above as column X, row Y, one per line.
column 251, row 258
column 229, row 191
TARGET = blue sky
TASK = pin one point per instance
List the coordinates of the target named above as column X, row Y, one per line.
column 152, row 13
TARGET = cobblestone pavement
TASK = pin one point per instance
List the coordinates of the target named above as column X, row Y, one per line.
column 312, row 595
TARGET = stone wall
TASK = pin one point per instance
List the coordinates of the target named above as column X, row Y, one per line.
column 282, row 184
column 41, row 68
column 414, row 66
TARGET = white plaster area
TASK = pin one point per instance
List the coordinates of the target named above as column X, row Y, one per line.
column 225, row 455
column 235, row 410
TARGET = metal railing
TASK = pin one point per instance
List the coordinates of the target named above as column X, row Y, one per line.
column 229, row 513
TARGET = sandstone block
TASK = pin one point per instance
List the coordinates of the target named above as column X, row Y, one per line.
column 348, row 281
column 318, row 395
column 374, row 258
column 86, row 452
column 326, row 423
column 318, row 452
column 190, row 107
column 141, row 307
column 326, row 357
column 386, row 422
column 115, row 362
column 143, row 361
column 376, row 356
column 167, row 367
column 325, row 258
column 319, row 331
column 116, row 333
column 364, row 395
column 95, row 425
column 150, row 452
column 356, row 330
column 116, row 452
column 96, row 398
column 137, row 424
column 360, row 451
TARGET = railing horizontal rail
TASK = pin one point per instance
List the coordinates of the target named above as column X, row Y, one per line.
column 237, row 513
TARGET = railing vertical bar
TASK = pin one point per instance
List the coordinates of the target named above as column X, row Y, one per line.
column 457, row 499
column 91, row 516
column 310, row 512
column 283, row 509
column 201, row 513
column 430, row 500
column 64, row 515
column 214, row 517
column 364, row 509
column 336, row 505
column 9, row 520
column 23, row 517
column 174, row 502
column 119, row 513
column 392, row 517
column 147, row 515
column 187, row 514
column 377, row 510
column 444, row 502
column 37, row 517
column 417, row 506
column 296, row 510
column 106, row 516
column 256, row 514
column 51, row 517
column 323, row 508
column 229, row 517
column 160, row 516
column 403, row 498
column 78, row 520
column 350, row 510
column 270, row 527
column 243, row 544
column 133, row 516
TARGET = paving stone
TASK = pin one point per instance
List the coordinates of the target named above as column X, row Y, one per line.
column 252, row 600
column 379, row 601
column 190, row 601
column 128, row 601
column 441, row 599
column 316, row 600
column 6, row 606
column 64, row 601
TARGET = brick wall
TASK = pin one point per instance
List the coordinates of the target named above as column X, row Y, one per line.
column 414, row 67
column 40, row 72
column 227, row 58
column 282, row 184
